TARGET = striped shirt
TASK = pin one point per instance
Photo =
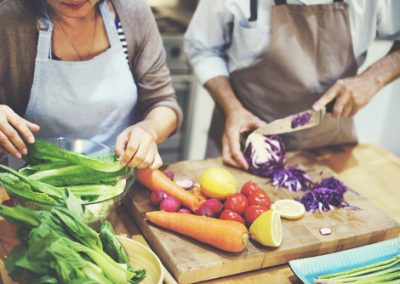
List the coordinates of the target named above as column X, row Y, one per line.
column 121, row 36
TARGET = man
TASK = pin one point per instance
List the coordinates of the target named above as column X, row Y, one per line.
column 263, row 60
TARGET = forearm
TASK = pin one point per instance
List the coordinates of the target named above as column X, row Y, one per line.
column 160, row 122
column 221, row 90
column 385, row 70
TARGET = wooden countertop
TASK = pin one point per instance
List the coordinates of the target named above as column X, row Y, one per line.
column 374, row 172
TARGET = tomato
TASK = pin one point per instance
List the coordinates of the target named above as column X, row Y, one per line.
column 231, row 215
column 252, row 212
column 236, row 202
column 250, row 187
column 260, row 198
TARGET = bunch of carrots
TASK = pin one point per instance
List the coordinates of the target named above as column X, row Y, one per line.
column 226, row 235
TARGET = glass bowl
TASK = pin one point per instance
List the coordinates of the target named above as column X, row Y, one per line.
column 94, row 213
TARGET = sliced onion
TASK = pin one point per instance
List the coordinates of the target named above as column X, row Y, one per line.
column 185, row 183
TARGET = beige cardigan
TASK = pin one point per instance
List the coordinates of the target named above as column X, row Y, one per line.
column 18, row 42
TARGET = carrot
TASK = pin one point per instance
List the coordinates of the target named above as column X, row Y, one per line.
column 157, row 180
column 224, row 234
column 196, row 191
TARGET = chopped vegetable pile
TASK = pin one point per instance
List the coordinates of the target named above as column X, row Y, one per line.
column 52, row 171
column 387, row 271
column 58, row 247
column 265, row 156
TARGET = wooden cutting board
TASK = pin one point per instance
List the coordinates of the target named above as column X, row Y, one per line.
column 191, row 261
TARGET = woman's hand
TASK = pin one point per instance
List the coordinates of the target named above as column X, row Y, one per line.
column 237, row 122
column 13, row 131
column 351, row 94
column 137, row 148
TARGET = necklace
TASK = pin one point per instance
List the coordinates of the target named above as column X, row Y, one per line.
column 81, row 58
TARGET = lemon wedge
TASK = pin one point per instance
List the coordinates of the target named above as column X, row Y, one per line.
column 289, row 208
column 267, row 229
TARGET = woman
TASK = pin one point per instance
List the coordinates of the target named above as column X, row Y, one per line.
column 86, row 69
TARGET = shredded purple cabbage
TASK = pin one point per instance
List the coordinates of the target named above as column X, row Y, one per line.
column 292, row 178
column 265, row 156
column 301, row 119
column 274, row 150
column 326, row 195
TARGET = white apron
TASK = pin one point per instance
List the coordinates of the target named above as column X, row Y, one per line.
column 91, row 99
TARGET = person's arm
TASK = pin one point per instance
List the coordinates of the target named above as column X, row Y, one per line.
column 206, row 40
column 238, row 120
column 356, row 92
column 158, row 113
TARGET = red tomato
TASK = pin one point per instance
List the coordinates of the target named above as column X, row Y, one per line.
column 236, row 202
column 231, row 215
column 260, row 198
column 252, row 212
column 250, row 187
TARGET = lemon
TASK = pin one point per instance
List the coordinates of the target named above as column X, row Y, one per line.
column 217, row 183
column 267, row 229
column 289, row 208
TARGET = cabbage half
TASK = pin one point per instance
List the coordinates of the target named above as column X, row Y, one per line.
column 264, row 154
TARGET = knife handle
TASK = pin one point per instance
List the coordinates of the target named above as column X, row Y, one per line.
column 329, row 106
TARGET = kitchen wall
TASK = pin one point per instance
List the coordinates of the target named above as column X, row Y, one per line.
column 377, row 123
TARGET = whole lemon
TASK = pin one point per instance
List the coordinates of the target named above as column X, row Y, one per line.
column 217, row 183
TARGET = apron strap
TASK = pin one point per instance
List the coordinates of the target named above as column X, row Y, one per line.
column 283, row 2
column 109, row 24
column 253, row 10
column 44, row 40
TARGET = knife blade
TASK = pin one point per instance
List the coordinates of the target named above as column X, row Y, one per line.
column 299, row 121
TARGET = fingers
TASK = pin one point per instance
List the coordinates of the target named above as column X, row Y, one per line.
column 137, row 149
column 144, row 157
column 157, row 163
column 120, row 144
column 31, row 126
column 14, row 130
column 23, row 127
column 326, row 98
column 8, row 146
column 231, row 151
column 226, row 153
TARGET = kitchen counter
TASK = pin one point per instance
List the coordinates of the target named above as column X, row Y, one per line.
column 372, row 171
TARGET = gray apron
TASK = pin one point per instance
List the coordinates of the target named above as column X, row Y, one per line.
column 310, row 49
column 92, row 99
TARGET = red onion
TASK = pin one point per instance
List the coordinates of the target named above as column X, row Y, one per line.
column 170, row 204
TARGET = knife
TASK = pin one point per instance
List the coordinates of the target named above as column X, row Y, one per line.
column 295, row 122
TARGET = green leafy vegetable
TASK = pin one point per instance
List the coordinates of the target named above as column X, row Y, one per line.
column 111, row 245
column 45, row 151
column 77, row 175
column 59, row 248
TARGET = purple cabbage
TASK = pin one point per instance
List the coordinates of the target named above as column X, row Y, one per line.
column 301, row 119
column 292, row 178
column 326, row 195
column 264, row 154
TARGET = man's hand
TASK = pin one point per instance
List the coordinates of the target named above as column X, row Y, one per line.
column 137, row 148
column 237, row 122
column 13, row 131
column 351, row 94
